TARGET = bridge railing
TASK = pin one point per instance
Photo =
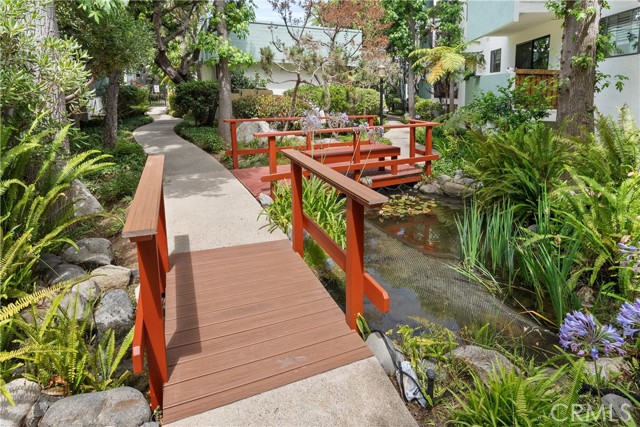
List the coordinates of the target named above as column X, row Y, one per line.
column 351, row 261
column 236, row 152
column 146, row 227
column 417, row 152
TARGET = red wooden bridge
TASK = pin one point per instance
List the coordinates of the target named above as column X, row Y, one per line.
column 216, row 326
column 377, row 164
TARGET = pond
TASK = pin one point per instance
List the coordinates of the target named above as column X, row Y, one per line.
column 412, row 259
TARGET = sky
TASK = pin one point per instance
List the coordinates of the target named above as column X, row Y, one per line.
column 264, row 13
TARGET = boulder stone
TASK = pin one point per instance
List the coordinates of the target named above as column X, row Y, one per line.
column 483, row 361
column 245, row 131
column 73, row 306
column 116, row 312
column 442, row 179
column 63, row 272
column 586, row 295
column 48, row 262
column 91, row 251
column 24, row 394
column 455, row 189
column 265, row 200
column 111, row 277
column 89, row 290
column 431, row 188
column 608, row 366
column 621, row 408
column 83, row 201
column 124, row 407
column 38, row 410
column 376, row 344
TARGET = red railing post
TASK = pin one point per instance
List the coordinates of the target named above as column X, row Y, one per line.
column 234, row 145
column 370, row 120
column 412, row 142
column 163, row 249
column 355, row 261
column 297, row 226
column 150, row 293
column 428, row 146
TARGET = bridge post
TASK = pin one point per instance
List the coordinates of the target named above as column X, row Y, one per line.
column 297, row 226
column 354, row 262
column 234, row 144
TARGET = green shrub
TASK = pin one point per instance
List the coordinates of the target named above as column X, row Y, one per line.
column 344, row 99
column 198, row 98
column 268, row 106
column 320, row 201
column 132, row 101
column 519, row 165
column 173, row 108
column 205, row 137
column 239, row 80
column 428, row 109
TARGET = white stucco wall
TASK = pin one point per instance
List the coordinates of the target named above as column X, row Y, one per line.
column 610, row 100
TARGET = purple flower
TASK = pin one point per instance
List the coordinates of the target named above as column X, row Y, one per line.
column 629, row 318
column 311, row 121
column 374, row 134
column 632, row 256
column 581, row 334
column 338, row 120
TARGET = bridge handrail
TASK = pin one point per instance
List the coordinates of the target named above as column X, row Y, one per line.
column 146, row 227
column 351, row 260
column 235, row 152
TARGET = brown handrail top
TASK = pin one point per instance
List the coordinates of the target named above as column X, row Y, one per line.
column 341, row 130
column 142, row 220
column 360, row 193
column 292, row 119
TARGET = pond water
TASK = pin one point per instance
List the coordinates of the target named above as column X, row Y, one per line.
column 412, row 258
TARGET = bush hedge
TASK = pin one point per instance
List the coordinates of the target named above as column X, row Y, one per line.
column 199, row 99
column 267, row 106
column 350, row 100
column 205, row 137
column 132, row 101
column 428, row 109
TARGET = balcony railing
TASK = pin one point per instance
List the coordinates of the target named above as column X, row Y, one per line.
column 535, row 78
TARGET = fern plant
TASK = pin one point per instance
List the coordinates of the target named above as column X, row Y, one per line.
column 105, row 362
column 36, row 211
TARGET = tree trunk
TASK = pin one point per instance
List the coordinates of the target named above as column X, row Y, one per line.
column 452, row 94
column 225, row 110
column 47, row 26
column 111, row 110
column 577, row 78
column 411, row 75
column 161, row 59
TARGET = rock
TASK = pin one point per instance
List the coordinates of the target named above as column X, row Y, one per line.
column 329, row 264
column 136, row 293
column 91, row 251
column 245, row 131
column 84, row 202
column 621, row 408
column 265, row 200
column 38, row 409
column 73, row 306
column 481, row 360
column 458, row 175
column 456, row 190
column 608, row 366
column 116, row 312
column 586, row 296
column 24, row 394
column 63, row 272
column 431, row 188
column 123, row 407
column 48, row 262
column 376, row 344
column 442, row 179
column 89, row 290
column 111, row 277
column 468, row 181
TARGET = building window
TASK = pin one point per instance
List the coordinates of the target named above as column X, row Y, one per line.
column 495, row 63
column 623, row 30
column 533, row 54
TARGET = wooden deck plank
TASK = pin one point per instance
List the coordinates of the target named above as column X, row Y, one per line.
column 244, row 320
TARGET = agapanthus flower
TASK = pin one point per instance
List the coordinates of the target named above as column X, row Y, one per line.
column 632, row 256
column 338, row 120
column 629, row 318
column 581, row 334
column 311, row 121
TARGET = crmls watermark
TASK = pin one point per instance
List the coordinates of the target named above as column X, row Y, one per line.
column 561, row 412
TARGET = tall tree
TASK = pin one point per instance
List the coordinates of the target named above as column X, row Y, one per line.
column 118, row 42
column 230, row 16
column 578, row 61
column 409, row 26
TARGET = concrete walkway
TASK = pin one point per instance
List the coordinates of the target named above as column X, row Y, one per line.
column 207, row 207
column 398, row 137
